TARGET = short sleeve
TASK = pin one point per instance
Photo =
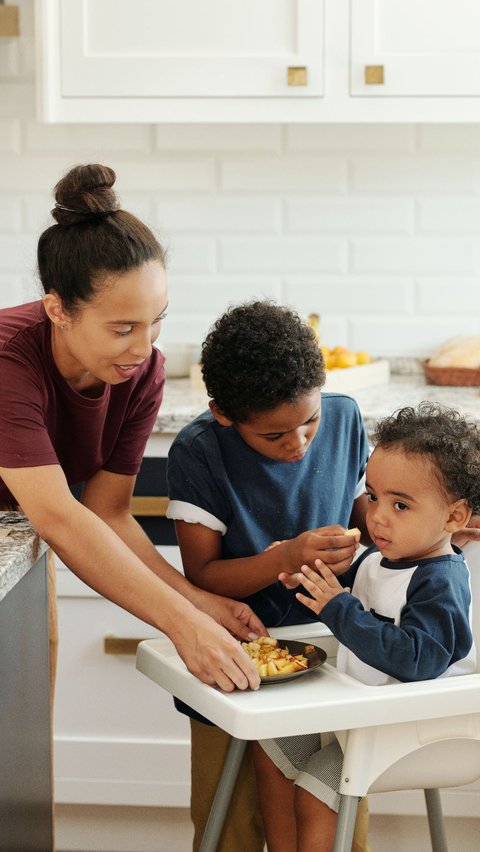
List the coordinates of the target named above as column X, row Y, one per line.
column 194, row 477
column 24, row 438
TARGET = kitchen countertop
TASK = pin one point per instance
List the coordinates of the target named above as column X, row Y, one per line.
column 20, row 548
column 182, row 403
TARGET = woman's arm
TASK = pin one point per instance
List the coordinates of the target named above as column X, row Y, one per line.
column 108, row 495
column 95, row 553
column 203, row 564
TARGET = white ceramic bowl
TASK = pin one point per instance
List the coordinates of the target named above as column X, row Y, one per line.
column 178, row 358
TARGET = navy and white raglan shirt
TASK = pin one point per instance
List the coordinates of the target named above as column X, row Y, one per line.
column 403, row 621
column 217, row 480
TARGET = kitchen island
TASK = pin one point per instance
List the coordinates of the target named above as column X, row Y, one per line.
column 25, row 736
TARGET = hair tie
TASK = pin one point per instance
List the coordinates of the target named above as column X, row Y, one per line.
column 91, row 213
column 68, row 209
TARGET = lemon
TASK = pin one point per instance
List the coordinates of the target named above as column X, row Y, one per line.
column 344, row 357
column 363, row 357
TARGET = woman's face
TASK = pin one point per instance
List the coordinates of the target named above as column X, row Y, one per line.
column 111, row 336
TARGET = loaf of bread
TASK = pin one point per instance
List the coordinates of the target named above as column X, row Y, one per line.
column 458, row 352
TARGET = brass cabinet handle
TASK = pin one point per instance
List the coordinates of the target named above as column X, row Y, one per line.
column 297, row 75
column 374, row 75
column 151, row 506
column 9, row 26
column 120, row 645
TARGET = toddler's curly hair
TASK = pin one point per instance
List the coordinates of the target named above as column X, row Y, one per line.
column 450, row 441
column 259, row 355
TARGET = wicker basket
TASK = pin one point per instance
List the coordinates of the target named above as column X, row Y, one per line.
column 453, row 376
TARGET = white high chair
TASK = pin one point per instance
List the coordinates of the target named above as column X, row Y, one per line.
column 423, row 754
column 423, row 735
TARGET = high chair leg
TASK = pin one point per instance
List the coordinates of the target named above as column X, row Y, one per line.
column 435, row 820
column 226, row 784
column 346, row 823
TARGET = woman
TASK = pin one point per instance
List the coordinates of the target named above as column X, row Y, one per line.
column 81, row 386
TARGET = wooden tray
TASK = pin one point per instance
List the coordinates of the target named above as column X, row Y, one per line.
column 350, row 379
column 453, row 376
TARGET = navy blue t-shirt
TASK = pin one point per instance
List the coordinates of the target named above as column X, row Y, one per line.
column 216, row 479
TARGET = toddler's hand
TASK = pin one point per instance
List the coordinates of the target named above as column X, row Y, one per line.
column 323, row 586
column 329, row 544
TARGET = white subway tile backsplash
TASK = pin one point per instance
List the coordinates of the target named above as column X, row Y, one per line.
column 349, row 215
column 215, row 214
column 412, row 175
column 351, row 295
column 9, row 136
column 284, row 174
column 285, row 254
column 449, row 138
column 199, row 294
column 12, row 290
column 17, row 253
column 410, row 336
column 167, row 174
column 10, row 214
column 351, row 138
column 416, row 255
column 449, row 215
column 218, row 137
column 93, row 142
column 449, row 296
column 189, row 254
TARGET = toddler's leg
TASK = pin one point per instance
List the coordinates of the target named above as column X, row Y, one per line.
column 316, row 823
column 276, row 797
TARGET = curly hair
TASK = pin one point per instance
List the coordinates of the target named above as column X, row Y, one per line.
column 259, row 355
column 451, row 442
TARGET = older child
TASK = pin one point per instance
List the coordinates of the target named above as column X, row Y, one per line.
column 273, row 458
column 408, row 615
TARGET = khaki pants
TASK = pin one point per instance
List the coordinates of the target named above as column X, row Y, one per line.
column 243, row 829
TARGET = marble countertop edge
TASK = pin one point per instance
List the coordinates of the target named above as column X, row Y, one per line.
column 19, row 550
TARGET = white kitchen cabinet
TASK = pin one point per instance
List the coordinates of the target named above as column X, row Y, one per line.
column 426, row 48
column 118, row 739
column 245, row 61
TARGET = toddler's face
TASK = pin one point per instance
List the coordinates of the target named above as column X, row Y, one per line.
column 286, row 432
column 407, row 511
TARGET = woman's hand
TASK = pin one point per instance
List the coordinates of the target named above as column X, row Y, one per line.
column 212, row 655
column 330, row 545
column 235, row 616
column 323, row 586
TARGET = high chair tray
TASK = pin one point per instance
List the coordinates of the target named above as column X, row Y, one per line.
column 326, row 700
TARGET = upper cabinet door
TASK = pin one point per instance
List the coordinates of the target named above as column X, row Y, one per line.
column 415, row 48
column 191, row 48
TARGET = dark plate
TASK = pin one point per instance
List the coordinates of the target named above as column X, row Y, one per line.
column 315, row 659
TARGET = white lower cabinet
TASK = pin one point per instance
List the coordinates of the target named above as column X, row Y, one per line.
column 118, row 738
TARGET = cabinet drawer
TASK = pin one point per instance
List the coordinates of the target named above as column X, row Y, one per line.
column 118, row 737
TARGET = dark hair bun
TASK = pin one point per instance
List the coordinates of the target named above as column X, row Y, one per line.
column 85, row 192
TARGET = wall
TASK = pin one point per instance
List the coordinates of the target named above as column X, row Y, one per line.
column 373, row 227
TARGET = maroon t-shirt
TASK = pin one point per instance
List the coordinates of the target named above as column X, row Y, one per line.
column 44, row 421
